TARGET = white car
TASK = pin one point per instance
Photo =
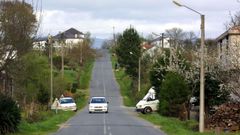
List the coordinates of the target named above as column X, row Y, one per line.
column 67, row 103
column 98, row 104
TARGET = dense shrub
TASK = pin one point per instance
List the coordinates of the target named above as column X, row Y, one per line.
column 79, row 94
column 173, row 94
column 57, row 61
column 43, row 97
column 9, row 115
column 215, row 92
column 74, row 87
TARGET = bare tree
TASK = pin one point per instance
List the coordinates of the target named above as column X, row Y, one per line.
column 234, row 20
column 17, row 27
column 176, row 36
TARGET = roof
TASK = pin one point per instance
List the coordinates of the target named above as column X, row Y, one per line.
column 232, row 31
column 70, row 33
column 40, row 39
column 146, row 45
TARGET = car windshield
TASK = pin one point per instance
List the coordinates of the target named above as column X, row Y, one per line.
column 98, row 100
column 66, row 100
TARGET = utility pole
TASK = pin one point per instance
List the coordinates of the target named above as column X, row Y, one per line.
column 139, row 74
column 162, row 40
column 62, row 52
column 51, row 68
column 81, row 59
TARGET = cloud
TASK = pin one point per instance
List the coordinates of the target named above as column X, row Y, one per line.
column 99, row 16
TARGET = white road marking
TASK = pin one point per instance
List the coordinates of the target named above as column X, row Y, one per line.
column 104, row 93
column 109, row 130
column 104, row 87
column 104, row 125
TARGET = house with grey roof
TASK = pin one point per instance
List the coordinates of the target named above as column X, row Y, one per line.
column 70, row 38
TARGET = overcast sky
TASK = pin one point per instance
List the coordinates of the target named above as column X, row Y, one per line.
column 147, row 16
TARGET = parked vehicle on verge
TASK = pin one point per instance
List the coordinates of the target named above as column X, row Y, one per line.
column 98, row 104
column 149, row 103
column 67, row 103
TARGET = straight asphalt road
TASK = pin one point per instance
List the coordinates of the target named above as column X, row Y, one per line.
column 119, row 121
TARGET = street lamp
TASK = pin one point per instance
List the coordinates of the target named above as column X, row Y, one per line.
column 201, row 115
column 139, row 72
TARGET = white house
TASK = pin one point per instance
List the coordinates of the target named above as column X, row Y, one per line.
column 70, row 37
column 155, row 46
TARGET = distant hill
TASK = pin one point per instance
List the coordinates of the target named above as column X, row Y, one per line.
column 98, row 42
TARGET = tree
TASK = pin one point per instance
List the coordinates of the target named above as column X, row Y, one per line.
column 176, row 36
column 159, row 71
column 17, row 26
column 189, row 40
column 215, row 92
column 83, row 51
column 173, row 95
column 31, row 80
column 129, row 51
column 234, row 20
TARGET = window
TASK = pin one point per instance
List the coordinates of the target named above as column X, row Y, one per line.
column 98, row 100
column 66, row 100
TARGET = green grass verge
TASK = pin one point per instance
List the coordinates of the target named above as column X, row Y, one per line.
column 51, row 124
column 124, row 82
column 173, row 126
column 86, row 73
column 52, row 121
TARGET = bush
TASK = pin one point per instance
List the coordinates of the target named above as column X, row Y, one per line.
column 173, row 95
column 74, row 87
column 9, row 115
column 68, row 94
column 214, row 93
column 43, row 97
column 79, row 94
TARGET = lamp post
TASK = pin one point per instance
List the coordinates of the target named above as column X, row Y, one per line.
column 139, row 72
column 201, row 115
column 51, row 68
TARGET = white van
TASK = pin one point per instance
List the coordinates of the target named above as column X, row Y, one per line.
column 149, row 103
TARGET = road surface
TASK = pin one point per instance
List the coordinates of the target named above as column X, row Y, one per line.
column 119, row 121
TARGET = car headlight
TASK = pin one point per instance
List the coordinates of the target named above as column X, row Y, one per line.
column 104, row 106
column 139, row 106
column 91, row 106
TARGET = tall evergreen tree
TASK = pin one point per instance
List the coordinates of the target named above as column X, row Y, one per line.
column 129, row 51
